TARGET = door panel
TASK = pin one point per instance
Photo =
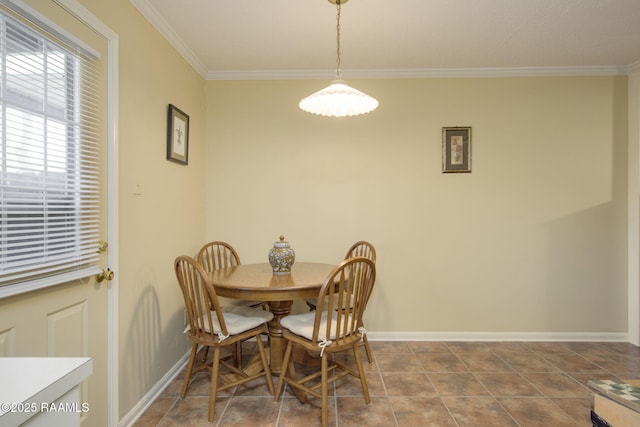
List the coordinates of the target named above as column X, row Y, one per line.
column 62, row 321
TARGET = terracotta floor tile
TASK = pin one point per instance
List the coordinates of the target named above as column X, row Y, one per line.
column 585, row 378
column 573, row 363
column 550, row 347
column 457, row 384
column 193, row 412
column 502, row 347
column 355, row 412
column 605, row 348
column 296, row 414
column 622, row 364
column 537, row 412
column 578, row 409
column 557, row 385
column 250, row 411
column 351, row 387
column 528, row 362
column 484, row 362
column 467, row 346
column 173, row 389
column 200, row 385
column 255, row 388
column 408, row 384
column 155, row 412
column 392, row 363
column 506, row 384
column 478, row 411
column 429, row 347
column 441, row 362
column 348, row 359
column 421, row 411
column 379, row 347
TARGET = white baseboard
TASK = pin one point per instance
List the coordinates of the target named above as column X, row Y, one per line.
column 497, row 336
column 135, row 412
column 132, row 416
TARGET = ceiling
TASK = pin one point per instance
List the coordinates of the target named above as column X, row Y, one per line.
column 261, row 39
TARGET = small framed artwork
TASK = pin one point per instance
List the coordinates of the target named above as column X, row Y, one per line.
column 456, row 149
column 177, row 136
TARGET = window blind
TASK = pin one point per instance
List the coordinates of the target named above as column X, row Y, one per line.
column 49, row 157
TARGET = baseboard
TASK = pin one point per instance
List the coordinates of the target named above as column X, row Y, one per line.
column 498, row 336
column 136, row 412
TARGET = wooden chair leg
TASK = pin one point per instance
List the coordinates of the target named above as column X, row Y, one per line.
column 367, row 349
column 187, row 374
column 236, row 354
column 325, row 391
column 215, row 371
column 283, row 373
column 363, row 379
column 265, row 365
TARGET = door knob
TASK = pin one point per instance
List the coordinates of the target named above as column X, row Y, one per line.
column 105, row 274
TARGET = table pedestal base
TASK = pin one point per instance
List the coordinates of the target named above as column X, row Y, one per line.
column 279, row 309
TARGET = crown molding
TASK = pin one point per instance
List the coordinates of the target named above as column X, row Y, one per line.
column 420, row 73
column 633, row 68
column 163, row 27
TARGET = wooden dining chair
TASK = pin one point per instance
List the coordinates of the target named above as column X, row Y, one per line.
column 363, row 249
column 211, row 327
column 214, row 256
column 335, row 326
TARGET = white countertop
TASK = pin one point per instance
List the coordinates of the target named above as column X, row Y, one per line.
column 37, row 380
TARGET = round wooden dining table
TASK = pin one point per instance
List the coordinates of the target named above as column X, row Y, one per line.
column 259, row 282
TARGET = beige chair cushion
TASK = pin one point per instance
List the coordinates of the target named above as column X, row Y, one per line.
column 302, row 324
column 239, row 319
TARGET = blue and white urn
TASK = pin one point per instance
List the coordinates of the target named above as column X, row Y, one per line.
column 281, row 256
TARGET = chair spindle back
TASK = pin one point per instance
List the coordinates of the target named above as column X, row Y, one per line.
column 363, row 249
column 217, row 255
column 200, row 299
column 344, row 294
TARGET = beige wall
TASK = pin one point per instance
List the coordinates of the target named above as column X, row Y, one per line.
column 532, row 241
column 167, row 219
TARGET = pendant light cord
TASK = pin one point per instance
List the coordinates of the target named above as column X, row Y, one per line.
column 338, row 70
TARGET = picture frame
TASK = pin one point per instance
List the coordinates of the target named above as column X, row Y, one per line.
column 177, row 135
column 456, row 149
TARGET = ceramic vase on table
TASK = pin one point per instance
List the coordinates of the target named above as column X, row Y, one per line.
column 281, row 257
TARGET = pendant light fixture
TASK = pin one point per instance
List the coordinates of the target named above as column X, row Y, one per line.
column 338, row 99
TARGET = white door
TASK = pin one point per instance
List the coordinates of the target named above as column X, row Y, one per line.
column 65, row 320
column 72, row 319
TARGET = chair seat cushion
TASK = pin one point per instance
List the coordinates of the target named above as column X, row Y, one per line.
column 302, row 324
column 239, row 319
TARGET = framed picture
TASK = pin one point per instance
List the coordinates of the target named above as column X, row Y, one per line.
column 456, row 149
column 177, row 136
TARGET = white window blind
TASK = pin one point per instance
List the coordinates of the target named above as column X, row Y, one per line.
column 49, row 158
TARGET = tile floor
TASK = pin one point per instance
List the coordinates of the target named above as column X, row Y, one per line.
column 426, row 383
